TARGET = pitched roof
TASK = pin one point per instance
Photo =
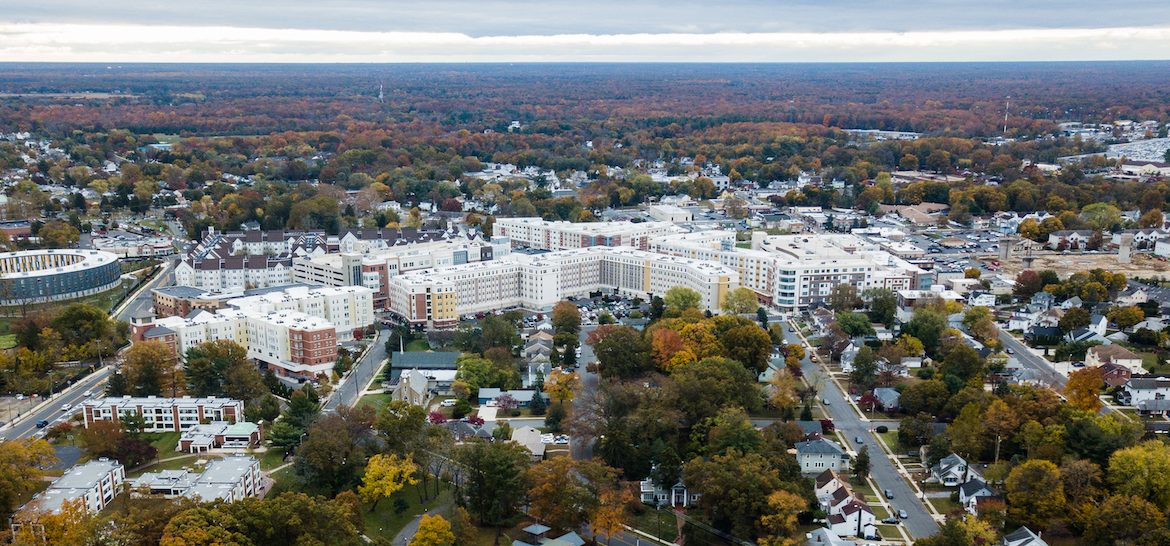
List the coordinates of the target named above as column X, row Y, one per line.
column 1113, row 352
column 819, row 446
column 1023, row 537
column 825, row 477
column 426, row 359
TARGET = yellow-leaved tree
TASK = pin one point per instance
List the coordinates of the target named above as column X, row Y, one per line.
column 433, row 531
column 385, row 476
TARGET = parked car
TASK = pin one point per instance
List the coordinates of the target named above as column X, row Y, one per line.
column 889, row 494
column 450, row 402
column 902, row 514
column 857, row 439
column 890, row 521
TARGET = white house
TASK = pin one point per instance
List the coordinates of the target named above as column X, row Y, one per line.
column 1101, row 354
column 855, row 519
column 1145, row 389
column 1023, row 537
column 827, row 483
column 817, row 455
column 951, row 471
column 971, row 491
column 981, row 299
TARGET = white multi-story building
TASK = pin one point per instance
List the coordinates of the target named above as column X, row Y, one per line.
column 163, row 414
column 294, row 332
column 230, row 479
column 438, row 298
column 374, row 268
column 541, row 234
column 93, row 484
column 795, row 271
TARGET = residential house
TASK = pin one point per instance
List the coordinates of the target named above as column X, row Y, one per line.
column 537, row 535
column 1041, row 301
column 677, row 495
column 887, row 398
column 1023, row 537
column 826, row 483
column 1069, row 239
column 529, row 437
column 951, row 471
column 1145, row 388
column 825, row 537
column 1116, row 354
column 847, row 356
column 819, row 454
column 1115, row 375
column 971, row 491
column 981, row 299
column 412, row 387
column 1132, row 297
column 855, row 519
column 490, row 396
column 1072, row 302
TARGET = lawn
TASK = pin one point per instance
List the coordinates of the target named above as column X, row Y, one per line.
column 172, row 464
column 7, row 341
column 944, row 505
column 164, row 442
column 386, row 520
column 375, row 401
column 891, row 440
column 270, row 459
column 417, row 345
column 660, row 523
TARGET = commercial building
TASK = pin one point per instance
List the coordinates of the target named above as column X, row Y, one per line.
column 540, row 234
column 41, row 276
column 134, row 246
column 438, row 298
column 374, row 268
column 796, row 271
column 163, row 414
column 93, row 484
column 294, row 331
column 670, row 213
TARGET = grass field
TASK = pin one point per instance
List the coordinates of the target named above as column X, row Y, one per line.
column 375, row 401
column 164, row 442
column 417, row 345
column 386, row 521
column 173, row 464
column 660, row 523
column 7, row 341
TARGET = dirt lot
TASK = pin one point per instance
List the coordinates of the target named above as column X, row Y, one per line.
column 1065, row 264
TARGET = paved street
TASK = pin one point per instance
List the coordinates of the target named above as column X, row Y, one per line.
column 349, row 393
column 142, row 300
column 1041, row 366
column 920, row 524
column 26, row 426
column 583, row 450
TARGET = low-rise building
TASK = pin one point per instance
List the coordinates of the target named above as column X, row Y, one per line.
column 219, row 435
column 229, row 479
column 818, row 454
column 93, row 484
column 951, row 471
column 163, row 414
column 1099, row 355
column 1143, row 389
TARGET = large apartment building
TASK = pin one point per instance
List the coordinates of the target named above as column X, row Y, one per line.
column 163, row 414
column 256, row 259
column 438, row 298
column 540, row 234
column 795, row 271
column 293, row 332
column 374, row 268
column 94, row 484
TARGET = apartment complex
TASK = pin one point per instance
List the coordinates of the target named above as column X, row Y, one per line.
column 257, row 259
column 438, row 298
column 93, row 484
column 163, row 414
column 374, row 268
column 540, row 234
column 795, row 271
column 230, row 479
column 294, row 331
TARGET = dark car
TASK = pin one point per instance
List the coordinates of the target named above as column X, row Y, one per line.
column 42, row 423
column 890, row 521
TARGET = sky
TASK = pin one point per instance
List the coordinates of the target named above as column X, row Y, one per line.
column 583, row 30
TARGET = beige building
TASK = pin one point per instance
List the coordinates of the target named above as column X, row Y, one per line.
column 541, row 234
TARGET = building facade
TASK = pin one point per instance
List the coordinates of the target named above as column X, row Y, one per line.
column 540, row 234
column 42, row 276
column 163, row 414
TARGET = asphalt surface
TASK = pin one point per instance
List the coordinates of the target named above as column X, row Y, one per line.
column 142, row 300
column 920, row 524
column 1044, row 370
column 350, row 391
column 26, row 425
column 582, row 448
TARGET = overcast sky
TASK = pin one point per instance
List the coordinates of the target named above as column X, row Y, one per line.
column 583, row 30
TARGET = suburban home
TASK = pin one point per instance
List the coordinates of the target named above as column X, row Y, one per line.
column 1144, row 388
column 951, row 471
column 841, row 498
column 827, row 483
column 491, row 395
column 855, row 519
column 676, row 495
column 887, row 398
column 819, row 454
column 529, row 437
column 825, row 537
column 981, row 299
column 1115, row 375
column 971, row 491
column 1132, row 297
column 1072, row 302
column 537, row 535
column 1041, row 301
column 1069, row 239
column 847, row 356
column 1023, row 537
column 1116, row 354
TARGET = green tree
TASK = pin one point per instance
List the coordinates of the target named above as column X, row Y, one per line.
column 861, row 464
column 1074, row 319
column 290, row 518
column 735, row 488
column 566, row 318
column 854, row 324
column 22, row 465
column 1124, row 519
column 701, row 388
column 620, row 350
column 222, row 368
column 331, row 457
column 1142, row 471
column 844, row 297
column 1101, row 216
column 865, row 368
column 1035, row 494
column 497, row 332
column 494, row 478
column 748, row 344
column 679, row 299
column 151, row 370
column 1126, row 317
column 883, row 305
column 480, row 373
column 740, row 301
column 928, row 397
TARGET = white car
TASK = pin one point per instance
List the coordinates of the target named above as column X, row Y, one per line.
column 450, row 402
column 66, row 407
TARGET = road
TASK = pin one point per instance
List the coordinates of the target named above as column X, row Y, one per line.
column 26, row 425
column 142, row 300
column 582, row 449
column 920, row 524
column 350, row 391
column 1041, row 366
